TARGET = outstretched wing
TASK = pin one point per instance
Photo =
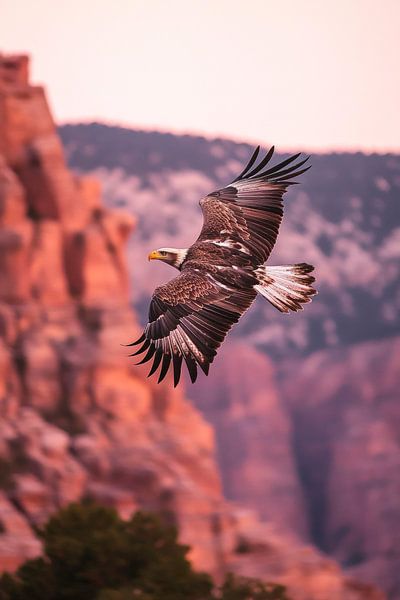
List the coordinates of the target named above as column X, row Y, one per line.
column 189, row 318
column 247, row 213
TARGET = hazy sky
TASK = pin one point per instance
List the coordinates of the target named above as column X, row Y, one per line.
column 298, row 73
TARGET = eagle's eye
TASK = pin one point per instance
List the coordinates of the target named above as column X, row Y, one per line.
column 163, row 253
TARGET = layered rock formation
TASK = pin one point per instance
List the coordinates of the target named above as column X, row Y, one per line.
column 253, row 436
column 77, row 420
column 347, row 444
column 313, row 445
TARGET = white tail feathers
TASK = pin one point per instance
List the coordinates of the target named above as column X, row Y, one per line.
column 287, row 287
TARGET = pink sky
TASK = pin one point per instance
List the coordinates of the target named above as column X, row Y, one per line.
column 316, row 74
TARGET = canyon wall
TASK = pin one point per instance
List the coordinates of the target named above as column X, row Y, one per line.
column 346, row 436
column 77, row 419
column 254, row 436
column 313, row 444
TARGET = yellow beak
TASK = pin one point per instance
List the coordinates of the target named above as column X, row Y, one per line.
column 154, row 255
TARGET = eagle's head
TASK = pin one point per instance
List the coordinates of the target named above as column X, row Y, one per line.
column 172, row 256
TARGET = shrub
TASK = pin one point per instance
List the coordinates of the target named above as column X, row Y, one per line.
column 90, row 553
column 244, row 588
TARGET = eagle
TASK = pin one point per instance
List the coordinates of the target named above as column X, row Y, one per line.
column 224, row 270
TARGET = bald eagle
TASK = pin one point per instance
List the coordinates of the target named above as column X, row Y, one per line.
column 224, row 270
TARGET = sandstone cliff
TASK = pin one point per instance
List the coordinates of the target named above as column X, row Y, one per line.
column 253, row 436
column 77, row 420
column 346, row 439
column 313, row 445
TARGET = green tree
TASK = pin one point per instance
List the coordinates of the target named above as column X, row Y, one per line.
column 90, row 553
column 88, row 548
column 244, row 588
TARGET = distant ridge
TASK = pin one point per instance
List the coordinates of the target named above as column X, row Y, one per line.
column 141, row 152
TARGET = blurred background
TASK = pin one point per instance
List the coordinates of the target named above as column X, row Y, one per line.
column 288, row 455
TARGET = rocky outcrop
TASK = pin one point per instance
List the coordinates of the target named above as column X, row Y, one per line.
column 313, row 445
column 306, row 573
column 253, row 436
column 77, row 420
column 346, row 433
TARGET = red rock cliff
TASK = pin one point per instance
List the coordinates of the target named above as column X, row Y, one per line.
column 347, row 442
column 77, row 419
column 254, row 434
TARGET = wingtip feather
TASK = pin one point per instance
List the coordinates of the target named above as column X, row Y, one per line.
column 177, row 365
column 157, row 359
column 148, row 355
column 164, row 367
column 251, row 162
column 139, row 341
column 141, row 349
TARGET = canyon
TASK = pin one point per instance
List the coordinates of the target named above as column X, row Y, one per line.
column 313, row 445
column 78, row 420
column 286, row 442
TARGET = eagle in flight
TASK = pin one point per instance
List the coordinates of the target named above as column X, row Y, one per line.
column 224, row 270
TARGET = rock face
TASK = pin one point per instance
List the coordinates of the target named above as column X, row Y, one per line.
column 313, row 445
column 346, row 433
column 253, row 436
column 76, row 419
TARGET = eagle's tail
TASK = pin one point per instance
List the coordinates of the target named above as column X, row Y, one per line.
column 286, row 287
